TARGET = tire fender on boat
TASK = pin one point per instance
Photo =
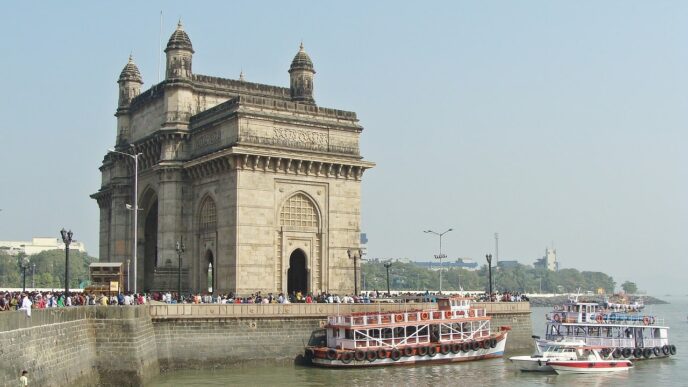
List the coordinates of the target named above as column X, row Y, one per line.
column 444, row 349
column 672, row 349
column 395, row 354
column 408, row 351
column 359, row 355
column 432, row 351
column 626, row 352
column 331, row 354
column 371, row 356
column 493, row 342
column 656, row 351
column 347, row 357
column 665, row 350
column 381, row 353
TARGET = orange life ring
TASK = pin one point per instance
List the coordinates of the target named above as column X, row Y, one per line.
column 424, row 316
column 447, row 314
column 471, row 313
column 599, row 319
column 436, row 315
column 646, row 320
column 398, row 318
column 557, row 318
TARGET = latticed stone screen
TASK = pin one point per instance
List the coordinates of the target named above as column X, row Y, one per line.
column 299, row 211
column 208, row 215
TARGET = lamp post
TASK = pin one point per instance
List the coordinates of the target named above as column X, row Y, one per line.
column 355, row 254
column 128, row 282
column 24, row 265
column 67, row 239
column 440, row 256
column 489, row 270
column 33, row 275
column 387, row 266
column 135, row 208
column 180, row 250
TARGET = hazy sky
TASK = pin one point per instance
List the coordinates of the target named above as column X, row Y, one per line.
column 548, row 122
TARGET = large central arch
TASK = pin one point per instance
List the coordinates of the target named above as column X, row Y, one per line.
column 297, row 274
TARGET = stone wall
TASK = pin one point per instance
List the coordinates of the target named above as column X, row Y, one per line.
column 118, row 346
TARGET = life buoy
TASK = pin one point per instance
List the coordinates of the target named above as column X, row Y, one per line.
column 399, row 318
column 599, row 319
column 471, row 313
column 460, row 313
column 395, row 354
column 381, row 353
column 557, row 318
column 424, row 316
column 347, row 357
column 436, row 315
column 359, row 355
column 447, row 314
column 646, row 320
column 455, row 348
column 331, row 354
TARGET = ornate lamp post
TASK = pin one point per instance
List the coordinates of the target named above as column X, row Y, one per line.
column 180, row 251
column 387, row 266
column 355, row 254
column 489, row 270
column 440, row 256
column 135, row 208
column 67, row 239
column 24, row 264
column 33, row 275
column 128, row 282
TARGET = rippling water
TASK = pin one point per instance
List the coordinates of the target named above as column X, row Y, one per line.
column 671, row 371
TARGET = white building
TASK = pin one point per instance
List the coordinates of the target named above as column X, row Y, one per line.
column 38, row 245
column 549, row 261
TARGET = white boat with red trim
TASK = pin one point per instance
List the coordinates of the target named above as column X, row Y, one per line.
column 563, row 350
column 455, row 331
column 589, row 360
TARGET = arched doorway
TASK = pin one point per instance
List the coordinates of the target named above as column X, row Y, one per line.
column 209, row 272
column 150, row 251
column 297, row 279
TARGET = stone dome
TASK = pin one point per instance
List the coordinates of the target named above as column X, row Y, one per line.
column 130, row 72
column 301, row 61
column 179, row 39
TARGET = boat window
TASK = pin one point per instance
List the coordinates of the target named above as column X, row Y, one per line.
column 359, row 335
column 387, row 333
column 423, row 331
column 336, row 332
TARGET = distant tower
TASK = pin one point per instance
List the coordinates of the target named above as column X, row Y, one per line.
column 179, row 53
column 551, row 259
column 130, row 82
column 301, row 73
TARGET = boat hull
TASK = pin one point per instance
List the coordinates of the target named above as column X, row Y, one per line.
column 584, row 367
column 531, row 364
column 471, row 355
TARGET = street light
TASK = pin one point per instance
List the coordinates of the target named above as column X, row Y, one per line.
column 489, row 268
column 33, row 275
column 67, row 239
column 134, row 156
column 128, row 282
column 355, row 254
column 24, row 265
column 440, row 256
column 180, row 250
column 387, row 265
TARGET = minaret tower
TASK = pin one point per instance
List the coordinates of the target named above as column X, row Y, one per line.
column 179, row 53
column 130, row 82
column 301, row 73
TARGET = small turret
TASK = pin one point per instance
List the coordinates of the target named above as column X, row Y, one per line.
column 130, row 82
column 179, row 53
column 301, row 73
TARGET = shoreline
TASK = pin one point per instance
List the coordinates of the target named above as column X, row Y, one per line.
column 560, row 299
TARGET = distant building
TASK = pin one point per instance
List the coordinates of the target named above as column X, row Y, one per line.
column 38, row 245
column 549, row 261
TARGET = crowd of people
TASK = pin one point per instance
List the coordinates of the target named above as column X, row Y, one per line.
column 41, row 300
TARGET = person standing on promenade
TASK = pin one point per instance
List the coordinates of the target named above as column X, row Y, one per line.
column 26, row 305
column 24, row 379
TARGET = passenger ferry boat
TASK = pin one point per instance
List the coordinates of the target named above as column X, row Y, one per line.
column 620, row 331
column 455, row 331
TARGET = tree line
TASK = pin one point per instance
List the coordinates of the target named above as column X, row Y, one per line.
column 519, row 278
column 49, row 271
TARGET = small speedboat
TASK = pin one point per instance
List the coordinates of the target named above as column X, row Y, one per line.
column 561, row 350
column 589, row 360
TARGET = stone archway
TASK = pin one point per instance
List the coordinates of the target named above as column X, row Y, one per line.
column 208, row 278
column 297, row 274
column 150, row 248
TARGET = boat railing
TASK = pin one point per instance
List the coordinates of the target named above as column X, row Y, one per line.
column 613, row 318
column 647, row 343
column 422, row 316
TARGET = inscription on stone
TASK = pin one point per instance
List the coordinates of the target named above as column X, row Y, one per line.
column 301, row 137
column 207, row 139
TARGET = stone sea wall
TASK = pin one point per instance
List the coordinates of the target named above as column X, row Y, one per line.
column 126, row 346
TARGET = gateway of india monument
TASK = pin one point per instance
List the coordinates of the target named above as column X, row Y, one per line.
column 261, row 184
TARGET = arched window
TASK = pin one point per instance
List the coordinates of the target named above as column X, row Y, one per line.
column 208, row 215
column 299, row 211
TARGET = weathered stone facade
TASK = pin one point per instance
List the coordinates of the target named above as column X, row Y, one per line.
column 260, row 183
